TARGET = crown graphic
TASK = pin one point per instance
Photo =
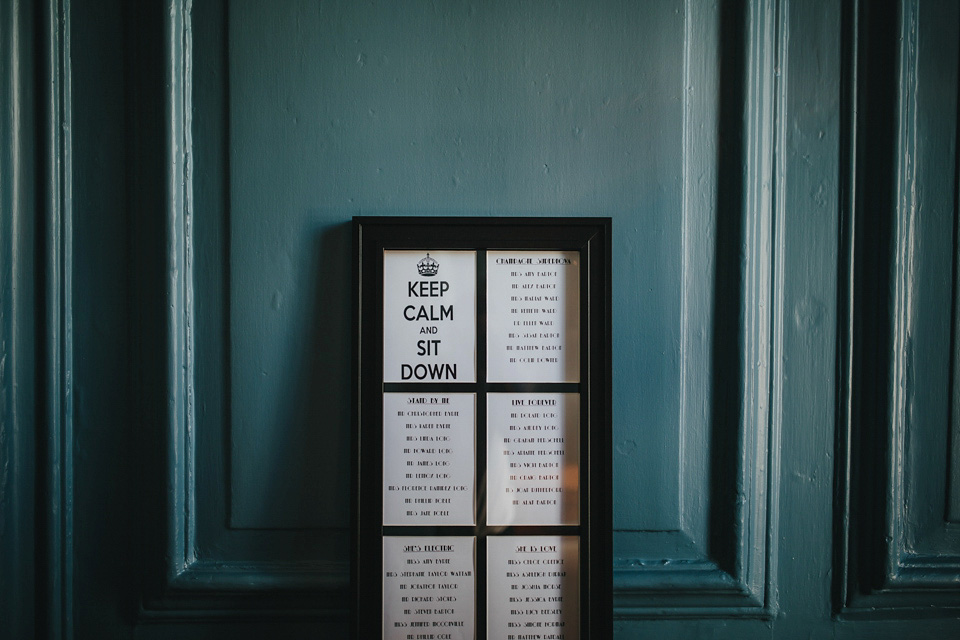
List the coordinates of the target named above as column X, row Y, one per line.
column 428, row 266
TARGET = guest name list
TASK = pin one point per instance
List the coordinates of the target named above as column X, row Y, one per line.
column 428, row 588
column 533, row 461
column 532, row 474
column 533, row 310
column 428, row 445
column 533, row 587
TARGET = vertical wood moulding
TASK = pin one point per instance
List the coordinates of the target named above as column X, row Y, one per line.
column 739, row 581
column 700, row 87
column 778, row 237
column 953, row 482
column 862, row 479
column 57, row 419
column 196, row 588
column 767, row 41
column 906, row 566
column 953, row 479
column 185, row 78
column 18, row 319
column 846, row 283
column 903, row 259
column 181, row 453
column 879, row 572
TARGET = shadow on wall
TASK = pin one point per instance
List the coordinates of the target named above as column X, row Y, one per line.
column 307, row 437
column 726, row 409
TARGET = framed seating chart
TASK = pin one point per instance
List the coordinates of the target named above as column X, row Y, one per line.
column 482, row 414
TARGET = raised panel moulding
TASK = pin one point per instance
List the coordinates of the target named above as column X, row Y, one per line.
column 56, row 516
column 953, row 488
column 238, row 585
column 900, row 551
column 717, row 563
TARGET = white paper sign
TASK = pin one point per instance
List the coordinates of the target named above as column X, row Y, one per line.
column 429, row 316
column 533, row 458
column 533, row 587
column 428, row 587
column 428, row 458
column 533, row 316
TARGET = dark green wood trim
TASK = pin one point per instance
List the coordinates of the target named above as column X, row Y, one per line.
column 909, row 567
column 181, row 426
column 849, row 87
column 192, row 587
column 733, row 577
column 237, row 590
column 56, row 406
column 894, row 558
column 18, row 229
column 953, row 482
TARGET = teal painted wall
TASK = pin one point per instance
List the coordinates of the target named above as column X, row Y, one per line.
column 347, row 109
column 175, row 338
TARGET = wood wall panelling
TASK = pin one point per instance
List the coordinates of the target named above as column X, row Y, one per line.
column 239, row 522
column 215, row 569
column 901, row 547
column 18, row 319
column 212, row 541
column 56, row 478
column 715, row 562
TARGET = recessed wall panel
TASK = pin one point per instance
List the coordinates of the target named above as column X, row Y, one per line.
column 337, row 110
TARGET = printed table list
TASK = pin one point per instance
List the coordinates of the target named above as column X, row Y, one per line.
column 533, row 316
column 428, row 458
column 533, row 587
column 428, row 588
column 533, row 458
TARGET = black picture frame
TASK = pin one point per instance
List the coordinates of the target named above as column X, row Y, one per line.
column 591, row 236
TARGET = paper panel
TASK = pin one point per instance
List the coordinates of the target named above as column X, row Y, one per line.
column 428, row 458
column 429, row 316
column 533, row 587
column 428, row 588
column 533, row 458
column 533, row 316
